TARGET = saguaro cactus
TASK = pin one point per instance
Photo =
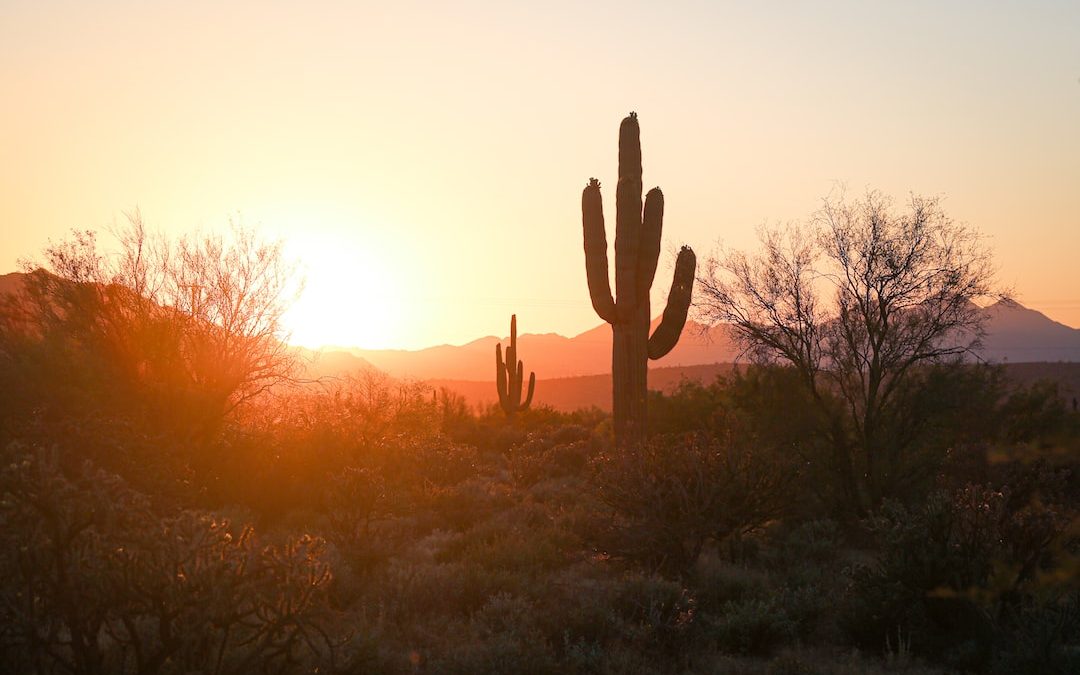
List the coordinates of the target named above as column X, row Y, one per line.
column 510, row 375
column 637, row 250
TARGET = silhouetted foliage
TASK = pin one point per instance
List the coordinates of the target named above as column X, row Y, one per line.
column 670, row 497
column 957, row 572
column 396, row 530
column 172, row 336
column 900, row 297
column 95, row 581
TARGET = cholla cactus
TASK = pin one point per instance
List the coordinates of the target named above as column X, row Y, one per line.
column 510, row 375
column 637, row 249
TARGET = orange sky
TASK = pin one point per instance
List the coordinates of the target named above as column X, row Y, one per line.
column 425, row 160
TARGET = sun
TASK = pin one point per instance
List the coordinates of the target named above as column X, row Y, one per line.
column 348, row 300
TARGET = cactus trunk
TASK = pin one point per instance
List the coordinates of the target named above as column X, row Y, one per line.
column 629, row 374
column 637, row 250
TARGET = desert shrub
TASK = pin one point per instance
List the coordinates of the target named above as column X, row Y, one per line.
column 356, row 498
column 403, row 590
column 817, row 661
column 492, row 434
column 508, row 548
column 814, row 541
column 792, row 664
column 282, row 445
column 811, row 608
column 752, row 626
column 1041, row 639
column 95, row 581
column 805, row 556
column 501, row 637
column 717, row 582
column 363, row 520
column 438, row 462
column 432, row 480
column 935, row 409
column 773, row 407
column 175, row 335
column 576, row 608
column 657, row 613
column 691, row 407
column 459, row 507
column 953, row 573
column 565, row 451
column 948, row 543
column 670, row 496
column 1031, row 412
column 568, row 459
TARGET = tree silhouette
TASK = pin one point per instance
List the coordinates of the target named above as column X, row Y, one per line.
column 901, row 286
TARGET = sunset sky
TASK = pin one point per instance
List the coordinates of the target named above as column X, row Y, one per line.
column 424, row 161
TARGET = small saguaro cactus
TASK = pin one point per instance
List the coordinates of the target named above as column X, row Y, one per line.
column 637, row 250
column 510, row 375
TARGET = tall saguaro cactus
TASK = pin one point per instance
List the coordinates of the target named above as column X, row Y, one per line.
column 637, row 249
column 510, row 375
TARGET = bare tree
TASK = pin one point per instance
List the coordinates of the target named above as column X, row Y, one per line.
column 856, row 301
column 191, row 326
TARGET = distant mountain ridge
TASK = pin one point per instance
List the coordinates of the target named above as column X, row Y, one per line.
column 585, row 391
column 1015, row 334
column 573, row 393
column 548, row 354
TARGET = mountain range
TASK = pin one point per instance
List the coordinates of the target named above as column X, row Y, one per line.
column 1015, row 334
column 575, row 371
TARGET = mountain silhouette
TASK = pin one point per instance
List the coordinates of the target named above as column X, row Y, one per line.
column 549, row 354
column 1015, row 334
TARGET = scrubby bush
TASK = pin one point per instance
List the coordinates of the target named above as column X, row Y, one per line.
column 398, row 531
column 670, row 497
column 655, row 613
column 95, row 581
column 565, row 451
column 752, row 626
column 953, row 574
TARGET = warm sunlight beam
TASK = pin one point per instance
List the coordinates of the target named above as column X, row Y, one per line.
column 349, row 299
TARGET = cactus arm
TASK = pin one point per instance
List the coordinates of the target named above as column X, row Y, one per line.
column 596, row 260
column 500, row 377
column 532, row 387
column 515, row 392
column 666, row 336
column 628, row 217
column 652, row 225
column 511, row 355
column 513, row 376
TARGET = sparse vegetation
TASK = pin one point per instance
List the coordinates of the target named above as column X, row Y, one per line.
column 860, row 303
column 167, row 507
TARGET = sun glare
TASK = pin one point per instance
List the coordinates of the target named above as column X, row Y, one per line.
column 348, row 300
